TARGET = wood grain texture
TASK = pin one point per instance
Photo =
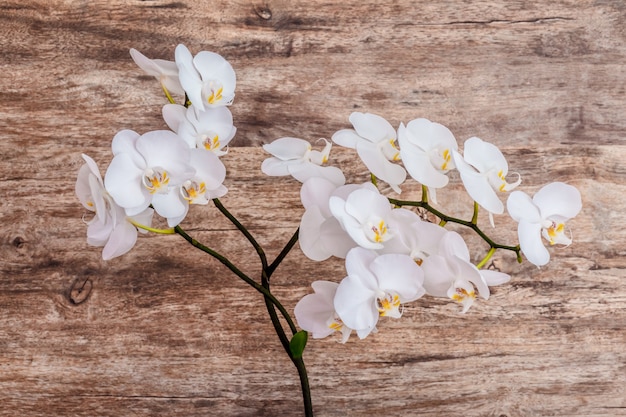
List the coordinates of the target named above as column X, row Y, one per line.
column 166, row 331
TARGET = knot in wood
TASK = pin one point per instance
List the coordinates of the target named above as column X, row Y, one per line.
column 80, row 290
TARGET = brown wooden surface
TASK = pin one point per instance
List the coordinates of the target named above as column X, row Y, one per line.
column 166, row 331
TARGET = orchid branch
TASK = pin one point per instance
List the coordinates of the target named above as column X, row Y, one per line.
column 471, row 224
column 243, row 230
column 239, row 273
column 271, row 304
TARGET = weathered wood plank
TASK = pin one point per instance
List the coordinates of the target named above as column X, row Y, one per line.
column 164, row 330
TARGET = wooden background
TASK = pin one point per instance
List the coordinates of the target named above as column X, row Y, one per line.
column 164, row 331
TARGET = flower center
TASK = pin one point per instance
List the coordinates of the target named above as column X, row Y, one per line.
column 193, row 191
column 376, row 230
column 389, row 305
column 498, row 181
column 210, row 141
column 463, row 293
column 389, row 148
column 555, row 233
column 155, row 180
column 213, row 91
column 440, row 159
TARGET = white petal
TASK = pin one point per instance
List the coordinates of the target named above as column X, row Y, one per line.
column 144, row 218
column 558, row 199
column 170, row 204
column 484, row 156
column 493, row 278
column 438, row 277
column 123, row 181
column 163, row 148
column 212, row 66
column 531, row 244
column 275, row 167
column 208, row 167
column 347, row 138
column 335, row 239
column 378, row 165
column 469, row 272
column 288, row 148
column 99, row 230
column 453, row 245
column 358, row 261
column 430, row 135
column 174, row 115
column 316, row 191
column 122, row 239
column 82, row 187
column 125, row 141
column 399, row 274
column 314, row 311
column 478, row 187
column 306, row 170
column 189, row 77
column 372, row 127
column 520, row 206
column 420, row 168
column 309, row 235
column 362, row 203
column 355, row 304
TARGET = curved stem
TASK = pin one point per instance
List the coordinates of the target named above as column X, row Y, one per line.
column 486, row 258
column 243, row 230
column 283, row 253
column 450, row 219
column 475, row 215
column 169, row 231
column 167, row 94
column 240, row 274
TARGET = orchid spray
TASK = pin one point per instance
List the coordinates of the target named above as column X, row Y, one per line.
column 394, row 254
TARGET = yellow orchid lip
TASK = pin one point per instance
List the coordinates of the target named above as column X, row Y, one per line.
column 155, row 179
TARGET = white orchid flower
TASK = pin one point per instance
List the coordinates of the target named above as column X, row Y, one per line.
column 374, row 140
column 205, row 185
column 364, row 215
column 426, row 150
column 449, row 273
column 543, row 215
column 166, row 72
column 376, row 285
column 321, row 235
column 316, row 313
column 146, row 169
column 483, row 171
column 211, row 129
column 109, row 227
column 413, row 236
column 208, row 79
column 295, row 157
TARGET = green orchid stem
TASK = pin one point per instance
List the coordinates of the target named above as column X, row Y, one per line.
column 449, row 219
column 167, row 94
column 424, row 194
column 374, row 180
column 486, row 258
column 244, row 231
column 298, row 362
column 475, row 215
column 271, row 304
column 169, row 231
column 292, row 242
column 240, row 274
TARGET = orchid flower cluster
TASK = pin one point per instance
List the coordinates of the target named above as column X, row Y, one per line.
column 393, row 253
